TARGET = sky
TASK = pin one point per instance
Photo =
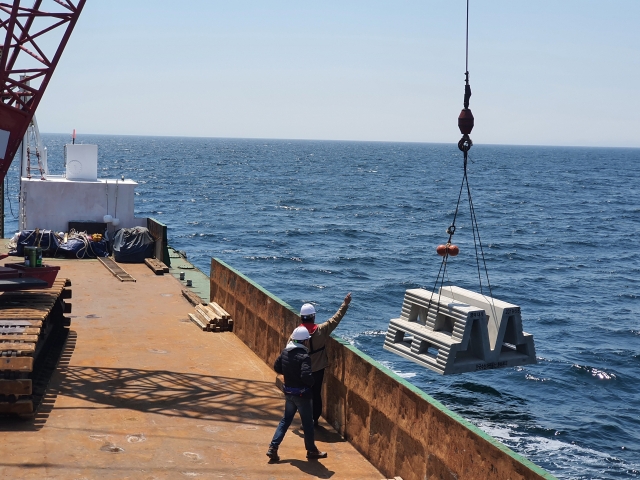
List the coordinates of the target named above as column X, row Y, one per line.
column 544, row 72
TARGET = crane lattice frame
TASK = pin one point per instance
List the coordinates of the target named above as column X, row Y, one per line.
column 22, row 87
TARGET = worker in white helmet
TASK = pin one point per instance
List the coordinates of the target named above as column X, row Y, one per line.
column 319, row 334
column 295, row 364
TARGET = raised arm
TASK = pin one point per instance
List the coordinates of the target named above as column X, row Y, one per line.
column 331, row 324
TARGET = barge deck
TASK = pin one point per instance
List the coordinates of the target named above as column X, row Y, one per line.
column 140, row 392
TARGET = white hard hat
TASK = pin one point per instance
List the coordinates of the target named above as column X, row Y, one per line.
column 307, row 309
column 300, row 333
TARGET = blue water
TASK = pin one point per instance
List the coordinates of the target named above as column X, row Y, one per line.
column 312, row 220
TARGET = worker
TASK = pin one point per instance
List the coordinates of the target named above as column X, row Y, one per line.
column 319, row 359
column 295, row 364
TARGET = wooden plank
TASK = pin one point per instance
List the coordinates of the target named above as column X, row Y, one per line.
column 207, row 317
column 66, row 293
column 32, row 305
column 21, row 407
column 42, row 293
column 19, row 330
column 193, row 298
column 20, row 386
column 17, row 347
column 214, row 306
column 212, row 313
column 22, row 318
column 197, row 321
column 219, row 320
column 21, row 323
column 18, row 364
column 29, row 305
column 17, row 337
column 23, row 314
column 222, row 311
column 202, row 318
column 219, row 310
column 152, row 263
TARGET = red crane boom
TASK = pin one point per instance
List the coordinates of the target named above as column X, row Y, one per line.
column 34, row 39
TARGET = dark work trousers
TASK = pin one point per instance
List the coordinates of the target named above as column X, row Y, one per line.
column 317, row 394
column 302, row 405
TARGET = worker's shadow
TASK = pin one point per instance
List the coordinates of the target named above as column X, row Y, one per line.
column 310, row 467
column 322, row 434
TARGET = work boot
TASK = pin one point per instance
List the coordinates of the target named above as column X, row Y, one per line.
column 272, row 453
column 315, row 454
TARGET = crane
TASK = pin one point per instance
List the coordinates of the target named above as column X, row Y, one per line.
column 35, row 35
column 28, row 33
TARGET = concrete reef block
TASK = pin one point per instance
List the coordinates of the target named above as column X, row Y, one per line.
column 457, row 331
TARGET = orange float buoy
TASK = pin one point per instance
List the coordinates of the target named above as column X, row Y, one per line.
column 442, row 250
column 453, row 250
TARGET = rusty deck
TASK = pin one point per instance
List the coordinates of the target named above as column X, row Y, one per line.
column 141, row 392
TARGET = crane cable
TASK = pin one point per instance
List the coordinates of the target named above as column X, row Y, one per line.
column 465, row 123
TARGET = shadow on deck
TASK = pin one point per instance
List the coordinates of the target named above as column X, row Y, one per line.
column 163, row 392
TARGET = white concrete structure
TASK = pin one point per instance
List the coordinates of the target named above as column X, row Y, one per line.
column 457, row 331
column 52, row 203
column 81, row 162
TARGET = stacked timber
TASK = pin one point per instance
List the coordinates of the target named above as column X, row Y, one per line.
column 27, row 320
column 212, row 318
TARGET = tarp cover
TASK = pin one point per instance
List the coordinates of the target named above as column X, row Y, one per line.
column 45, row 239
column 132, row 245
column 79, row 246
column 53, row 244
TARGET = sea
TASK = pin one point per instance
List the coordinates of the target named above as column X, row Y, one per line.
column 311, row 221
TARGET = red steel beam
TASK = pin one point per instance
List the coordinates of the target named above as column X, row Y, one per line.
column 19, row 97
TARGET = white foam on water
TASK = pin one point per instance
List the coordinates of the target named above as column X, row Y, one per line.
column 572, row 460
